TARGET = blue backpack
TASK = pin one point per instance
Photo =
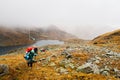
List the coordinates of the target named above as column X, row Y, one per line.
column 26, row 56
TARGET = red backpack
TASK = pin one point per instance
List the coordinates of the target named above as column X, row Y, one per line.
column 29, row 49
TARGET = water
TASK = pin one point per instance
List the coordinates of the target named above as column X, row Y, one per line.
column 48, row 42
column 6, row 49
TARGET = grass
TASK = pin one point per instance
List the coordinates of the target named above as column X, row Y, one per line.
column 18, row 69
column 110, row 40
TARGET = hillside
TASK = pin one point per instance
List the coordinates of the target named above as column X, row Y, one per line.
column 75, row 60
column 23, row 36
column 70, row 61
column 110, row 40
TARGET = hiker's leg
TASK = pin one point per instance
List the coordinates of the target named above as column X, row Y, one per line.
column 28, row 63
column 31, row 62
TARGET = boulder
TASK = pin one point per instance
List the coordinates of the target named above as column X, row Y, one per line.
column 88, row 68
column 52, row 64
column 62, row 70
column 4, row 69
column 105, row 71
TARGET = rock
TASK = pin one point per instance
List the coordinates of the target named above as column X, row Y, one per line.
column 89, row 68
column 42, row 59
column 95, row 69
column 43, row 53
column 54, row 55
column 52, row 64
column 97, row 61
column 98, row 58
column 48, row 58
column 117, row 72
column 68, row 56
column 83, row 66
column 65, row 52
column 2, row 59
column 4, row 69
column 118, row 54
column 62, row 70
column 113, row 54
column 70, row 65
column 64, row 62
column 105, row 71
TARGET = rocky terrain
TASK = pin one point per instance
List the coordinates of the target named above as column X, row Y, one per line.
column 75, row 60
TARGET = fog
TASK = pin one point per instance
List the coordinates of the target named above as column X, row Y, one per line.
column 83, row 18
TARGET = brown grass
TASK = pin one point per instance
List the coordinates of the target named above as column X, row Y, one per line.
column 110, row 40
column 19, row 70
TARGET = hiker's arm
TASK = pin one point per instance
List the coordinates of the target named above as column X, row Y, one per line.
column 35, row 54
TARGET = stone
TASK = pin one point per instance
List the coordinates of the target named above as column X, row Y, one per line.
column 52, row 64
column 105, row 73
column 68, row 56
column 89, row 68
column 54, row 55
column 64, row 62
column 2, row 59
column 63, row 70
column 42, row 59
column 48, row 58
column 117, row 72
column 70, row 65
column 4, row 69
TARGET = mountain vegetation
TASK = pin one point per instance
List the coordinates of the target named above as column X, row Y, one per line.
column 110, row 40
column 75, row 60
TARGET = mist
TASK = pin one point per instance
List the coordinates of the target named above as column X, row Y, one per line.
column 84, row 18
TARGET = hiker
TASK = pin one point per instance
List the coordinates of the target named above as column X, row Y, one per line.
column 30, row 53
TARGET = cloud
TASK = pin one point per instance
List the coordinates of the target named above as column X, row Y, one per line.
column 84, row 18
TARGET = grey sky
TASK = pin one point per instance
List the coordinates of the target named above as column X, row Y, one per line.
column 84, row 18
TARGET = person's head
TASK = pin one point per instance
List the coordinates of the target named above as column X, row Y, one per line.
column 36, row 50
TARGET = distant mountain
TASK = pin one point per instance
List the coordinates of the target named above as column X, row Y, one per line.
column 110, row 40
column 23, row 36
column 90, row 32
column 54, row 32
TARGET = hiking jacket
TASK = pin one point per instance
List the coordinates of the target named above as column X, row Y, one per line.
column 31, row 54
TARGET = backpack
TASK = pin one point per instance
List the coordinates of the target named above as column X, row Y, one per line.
column 26, row 56
column 29, row 49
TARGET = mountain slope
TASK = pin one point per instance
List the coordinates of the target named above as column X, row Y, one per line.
column 55, row 33
column 11, row 37
column 110, row 40
column 56, row 62
column 22, row 36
